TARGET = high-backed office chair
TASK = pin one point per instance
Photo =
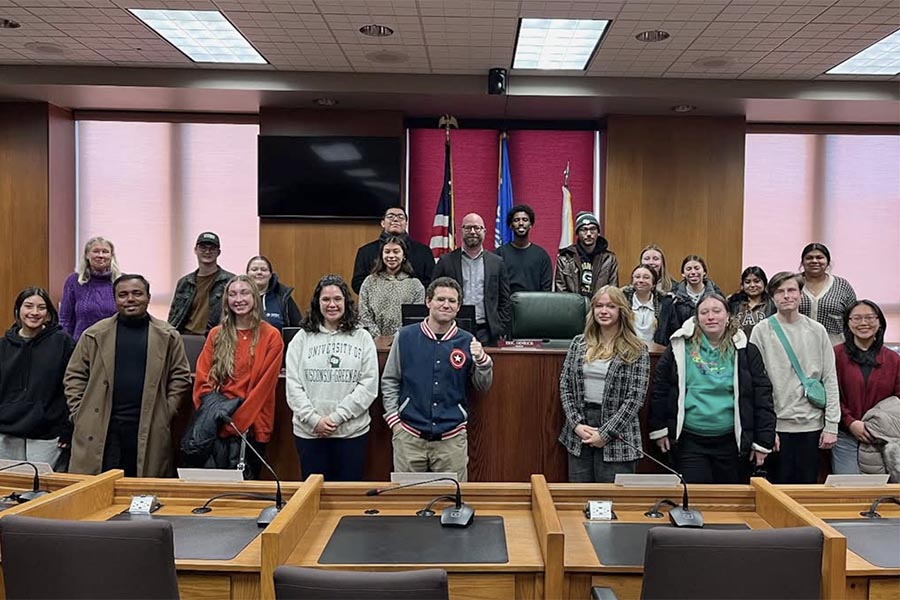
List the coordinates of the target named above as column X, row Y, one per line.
column 734, row 564
column 49, row 558
column 193, row 346
column 553, row 316
column 299, row 583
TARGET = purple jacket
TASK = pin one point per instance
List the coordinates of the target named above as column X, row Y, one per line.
column 83, row 305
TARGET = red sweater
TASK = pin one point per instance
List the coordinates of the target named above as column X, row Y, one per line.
column 254, row 380
column 858, row 395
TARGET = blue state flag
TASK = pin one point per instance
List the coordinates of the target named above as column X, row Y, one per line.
column 502, row 233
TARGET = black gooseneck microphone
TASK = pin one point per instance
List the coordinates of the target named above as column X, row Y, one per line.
column 872, row 513
column 681, row 516
column 269, row 513
column 36, row 491
column 458, row 515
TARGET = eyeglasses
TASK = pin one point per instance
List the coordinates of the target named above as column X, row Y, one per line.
column 395, row 217
column 472, row 228
column 861, row 318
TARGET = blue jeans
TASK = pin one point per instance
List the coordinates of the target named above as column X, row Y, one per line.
column 844, row 454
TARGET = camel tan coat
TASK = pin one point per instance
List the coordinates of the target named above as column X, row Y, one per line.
column 89, row 387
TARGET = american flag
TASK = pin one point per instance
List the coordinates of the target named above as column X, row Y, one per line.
column 442, row 229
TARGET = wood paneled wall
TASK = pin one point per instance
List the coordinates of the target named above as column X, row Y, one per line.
column 677, row 182
column 304, row 250
column 37, row 200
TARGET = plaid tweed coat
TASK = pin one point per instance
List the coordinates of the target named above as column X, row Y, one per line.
column 626, row 388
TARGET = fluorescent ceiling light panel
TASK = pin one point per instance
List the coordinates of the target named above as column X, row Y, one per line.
column 557, row 44
column 881, row 58
column 205, row 36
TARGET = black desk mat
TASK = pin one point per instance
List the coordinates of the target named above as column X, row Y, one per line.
column 420, row 540
column 875, row 540
column 623, row 544
column 203, row 537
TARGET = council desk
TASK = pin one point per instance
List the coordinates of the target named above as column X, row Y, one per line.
column 544, row 550
column 867, row 575
column 105, row 496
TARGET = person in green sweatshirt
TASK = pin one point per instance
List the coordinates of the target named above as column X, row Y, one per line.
column 711, row 403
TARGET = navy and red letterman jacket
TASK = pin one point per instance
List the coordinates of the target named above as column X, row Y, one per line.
column 423, row 386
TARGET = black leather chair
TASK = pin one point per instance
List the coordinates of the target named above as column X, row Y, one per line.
column 299, row 583
column 49, row 558
column 553, row 317
column 712, row 564
column 193, row 346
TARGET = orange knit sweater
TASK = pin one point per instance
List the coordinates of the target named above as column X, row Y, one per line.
column 254, row 380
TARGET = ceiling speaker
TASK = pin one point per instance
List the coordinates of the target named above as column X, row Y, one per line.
column 497, row 81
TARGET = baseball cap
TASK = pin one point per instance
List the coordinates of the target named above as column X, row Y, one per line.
column 208, row 237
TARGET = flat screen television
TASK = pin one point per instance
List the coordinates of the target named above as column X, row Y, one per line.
column 328, row 177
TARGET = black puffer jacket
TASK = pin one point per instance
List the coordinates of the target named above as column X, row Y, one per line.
column 32, row 402
column 201, row 433
column 278, row 307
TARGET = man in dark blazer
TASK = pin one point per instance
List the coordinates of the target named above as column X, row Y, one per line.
column 483, row 278
column 418, row 255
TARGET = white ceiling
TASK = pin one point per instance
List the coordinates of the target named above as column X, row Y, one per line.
column 711, row 39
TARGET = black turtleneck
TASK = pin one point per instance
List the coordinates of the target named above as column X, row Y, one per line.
column 131, row 366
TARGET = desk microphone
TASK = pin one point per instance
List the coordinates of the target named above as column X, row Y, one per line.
column 872, row 513
column 269, row 513
column 681, row 516
column 36, row 491
column 458, row 515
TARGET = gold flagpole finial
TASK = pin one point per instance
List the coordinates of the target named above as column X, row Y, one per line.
column 448, row 121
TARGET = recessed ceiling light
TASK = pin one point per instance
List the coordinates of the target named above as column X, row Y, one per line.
column 205, row 36
column 373, row 30
column 684, row 108
column 326, row 101
column 9, row 24
column 557, row 44
column 881, row 58
column 652, row 35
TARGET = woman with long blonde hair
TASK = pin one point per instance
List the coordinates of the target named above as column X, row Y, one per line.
column 711, row 404
column 654, row 257
column 602, row 388
column 88, row 292
column 241, row 359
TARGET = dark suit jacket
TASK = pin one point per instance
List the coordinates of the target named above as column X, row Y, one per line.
column 497, row 304
column 419, row 257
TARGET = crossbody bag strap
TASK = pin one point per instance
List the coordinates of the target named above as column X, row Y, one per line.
column 776, row 327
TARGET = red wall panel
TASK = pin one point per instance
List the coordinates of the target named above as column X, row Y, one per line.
column 537, row 162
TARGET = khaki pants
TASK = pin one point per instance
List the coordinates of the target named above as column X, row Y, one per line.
column 415, row 455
